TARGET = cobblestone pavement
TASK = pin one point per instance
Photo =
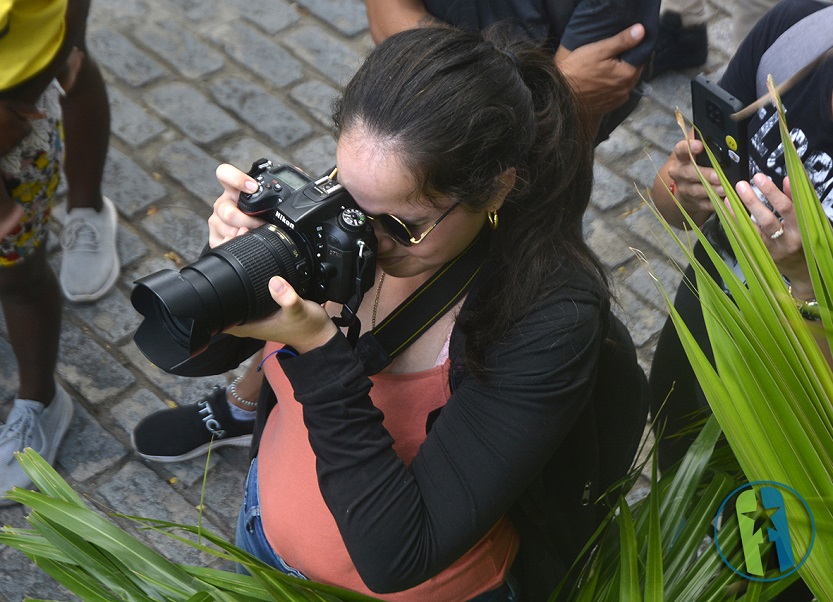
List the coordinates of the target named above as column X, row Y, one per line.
column 196, row 82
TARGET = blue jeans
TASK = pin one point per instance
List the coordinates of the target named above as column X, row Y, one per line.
column 250, row 537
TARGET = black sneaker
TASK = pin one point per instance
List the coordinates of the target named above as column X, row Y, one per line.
column 186, row 432
column 677, row 47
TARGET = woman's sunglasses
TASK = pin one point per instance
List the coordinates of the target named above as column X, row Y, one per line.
column 399, row 230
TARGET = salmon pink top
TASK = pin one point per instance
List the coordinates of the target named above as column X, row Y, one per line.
column 299, row 525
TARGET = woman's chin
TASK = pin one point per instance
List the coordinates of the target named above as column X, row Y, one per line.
column 389, row 263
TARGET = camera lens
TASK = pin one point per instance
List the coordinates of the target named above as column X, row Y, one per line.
column 225, row 287
column 178, row 329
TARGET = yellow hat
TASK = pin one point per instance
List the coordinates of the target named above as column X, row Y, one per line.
column 31, row 33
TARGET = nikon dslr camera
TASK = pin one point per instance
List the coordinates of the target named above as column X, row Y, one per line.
column 314, row 236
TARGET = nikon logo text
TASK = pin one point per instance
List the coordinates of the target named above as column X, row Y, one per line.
column 282, row 219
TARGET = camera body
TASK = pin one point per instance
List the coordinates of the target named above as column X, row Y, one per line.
column 314, row 237
column 323, row 221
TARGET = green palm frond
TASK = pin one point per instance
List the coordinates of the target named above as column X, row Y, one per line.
column 97, row 560
column 771, row 386
column 770, row 390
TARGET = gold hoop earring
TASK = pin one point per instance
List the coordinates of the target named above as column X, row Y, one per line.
column 492, row 217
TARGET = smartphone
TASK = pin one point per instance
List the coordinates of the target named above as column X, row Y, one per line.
column 712, row 107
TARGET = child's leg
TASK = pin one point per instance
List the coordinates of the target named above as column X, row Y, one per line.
column 32, row 306
column 87, row 136
column 31, row 300
column 42, row 412
column 90, row 264
column 86, row 114
column 28, row 289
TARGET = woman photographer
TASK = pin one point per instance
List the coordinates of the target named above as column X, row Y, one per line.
column 475, row 451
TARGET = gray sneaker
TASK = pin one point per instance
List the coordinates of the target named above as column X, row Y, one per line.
column 89, row 263
column 30, row 424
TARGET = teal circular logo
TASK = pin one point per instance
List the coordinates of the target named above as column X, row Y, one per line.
column 760, row 508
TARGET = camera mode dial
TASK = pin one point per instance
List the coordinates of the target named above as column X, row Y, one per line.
column 352, row 219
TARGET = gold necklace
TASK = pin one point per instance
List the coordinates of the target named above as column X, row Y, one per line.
column 376, row 300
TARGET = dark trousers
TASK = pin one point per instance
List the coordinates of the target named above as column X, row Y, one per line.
column 677, row 400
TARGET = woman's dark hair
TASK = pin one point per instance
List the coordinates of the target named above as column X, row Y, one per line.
column 459, row 109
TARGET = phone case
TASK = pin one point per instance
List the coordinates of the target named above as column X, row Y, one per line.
column 712, row 108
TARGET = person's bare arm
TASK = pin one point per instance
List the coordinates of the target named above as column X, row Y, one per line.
column 387, row 17
column 14, row 122
column 14, row 127
column 11, row 213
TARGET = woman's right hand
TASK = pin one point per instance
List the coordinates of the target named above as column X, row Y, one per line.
column 688, row 189
column 228, row 221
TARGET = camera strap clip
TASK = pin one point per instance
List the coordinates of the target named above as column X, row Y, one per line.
column 365, row 261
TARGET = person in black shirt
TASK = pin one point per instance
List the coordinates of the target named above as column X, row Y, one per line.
column 600, row 47
column 809, row 105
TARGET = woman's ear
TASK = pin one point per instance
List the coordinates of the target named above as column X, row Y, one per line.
column 506, row 182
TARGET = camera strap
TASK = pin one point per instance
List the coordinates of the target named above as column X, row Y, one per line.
column 380, row 346
column 365, row 264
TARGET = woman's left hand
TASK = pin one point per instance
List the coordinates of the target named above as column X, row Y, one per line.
column 299, row 323
column 781, row 237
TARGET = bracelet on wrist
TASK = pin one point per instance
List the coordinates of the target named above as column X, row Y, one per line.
column 808, row 308
column 232, row 388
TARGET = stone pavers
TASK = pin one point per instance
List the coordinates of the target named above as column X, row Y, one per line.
column 196, row 82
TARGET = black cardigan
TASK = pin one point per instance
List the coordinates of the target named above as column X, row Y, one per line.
column 541, row 439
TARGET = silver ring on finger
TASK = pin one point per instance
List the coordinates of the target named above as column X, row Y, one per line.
column 778, row 234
